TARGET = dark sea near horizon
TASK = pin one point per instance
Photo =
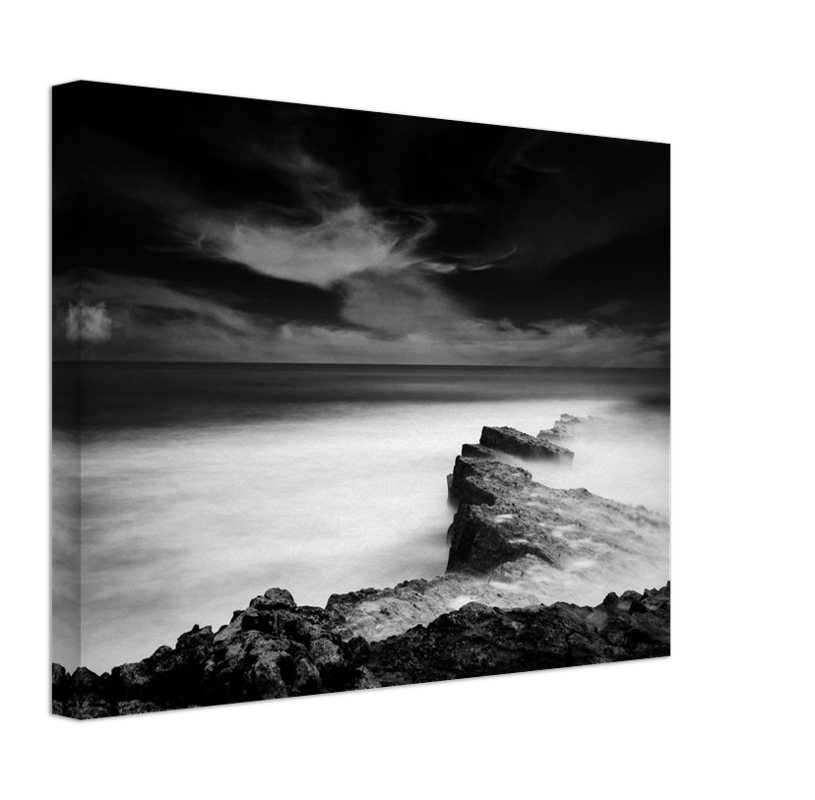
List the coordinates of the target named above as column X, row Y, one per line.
column 202, row 485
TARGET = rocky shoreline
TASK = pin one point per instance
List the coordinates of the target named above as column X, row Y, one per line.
column 509, row 537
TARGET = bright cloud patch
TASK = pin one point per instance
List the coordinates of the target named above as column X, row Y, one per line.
column 401, row 303
column 88, row 323
column 346, row 241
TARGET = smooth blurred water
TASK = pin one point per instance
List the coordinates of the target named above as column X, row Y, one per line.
column 203, row 485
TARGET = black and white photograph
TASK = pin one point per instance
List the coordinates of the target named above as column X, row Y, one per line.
column 346, row 400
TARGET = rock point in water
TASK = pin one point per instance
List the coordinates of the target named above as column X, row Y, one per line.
column 482, row 617
column 564, row 428
column 517, row 443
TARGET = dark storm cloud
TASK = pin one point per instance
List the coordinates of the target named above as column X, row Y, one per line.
column 217, row 228
column 587, row 186
column 510, row 156
column 276, row 156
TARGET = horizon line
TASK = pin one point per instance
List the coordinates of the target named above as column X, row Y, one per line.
column 342, row 364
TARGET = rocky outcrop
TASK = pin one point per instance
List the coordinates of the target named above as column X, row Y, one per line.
column 511, row 542
column 476, row 451
column 268, row 652
column 514, row 543
column 83, row 695
column 475, row 481
column 564, row 428
column 376, row 614
column 272, row 649
column 505, row 515
column 517, row 443
column 60, row 687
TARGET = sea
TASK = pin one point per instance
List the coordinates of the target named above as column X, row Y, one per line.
column 182, row 490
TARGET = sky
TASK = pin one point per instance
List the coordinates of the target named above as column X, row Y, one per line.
column 192, row 227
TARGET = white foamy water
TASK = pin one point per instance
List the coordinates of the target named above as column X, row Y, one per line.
column 183, row 524
column 621, row 455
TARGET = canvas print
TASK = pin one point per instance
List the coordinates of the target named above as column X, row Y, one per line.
column 347, row 400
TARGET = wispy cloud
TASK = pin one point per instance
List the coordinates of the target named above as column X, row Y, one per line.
column 400, row 303
column 139, row 318
column 345, row 241
column 610, row 309
column 327, row 236
column 278, row 151
column 564, row 344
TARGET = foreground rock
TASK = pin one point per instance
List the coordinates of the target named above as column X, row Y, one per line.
column 273, row 651
column 376, row 614
column 478, row 640
column 517, row 443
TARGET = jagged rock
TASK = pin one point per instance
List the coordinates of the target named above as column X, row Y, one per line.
column 629, row 596
column 505, row 515
column 352, row 598
column 564, row 428
column 477, row 640
column 484, row 539
column 637, row 607
column 378, row 613
column 279, row 598
column 60, row 688
column 476, row 451
column 271, row 649
column 85, row 695
column 472, row 641
column 517, row 443
column 87, row 706
column 485, row 482
column 127, row 707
